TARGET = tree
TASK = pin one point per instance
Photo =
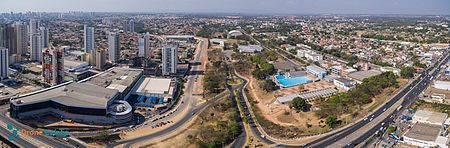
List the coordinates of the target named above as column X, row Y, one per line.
column 299, row 104
column 407, row 72
column 331, row 121
column 268, row 85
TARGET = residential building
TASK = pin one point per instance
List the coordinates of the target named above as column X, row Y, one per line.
column 144, row 45
column 20, row 39
column 316, row 71
column 89, row 39
column 4, row 63
column 313, row 56
column 90, row 58
column 36, row 47
column 336, row 69
column 34, row 26
column 128, row 26
column 45, row 36
column 344, row 84
column 309, row 54
column 53, row 66
column 114, row 47
column 100, row 59
column 169, row 59
column 4, row 36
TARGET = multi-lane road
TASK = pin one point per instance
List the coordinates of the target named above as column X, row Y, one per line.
column 28, row 141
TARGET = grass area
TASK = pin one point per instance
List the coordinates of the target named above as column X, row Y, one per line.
column 234, row 80
column 102, row 138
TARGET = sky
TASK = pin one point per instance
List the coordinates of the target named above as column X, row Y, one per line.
column 411, row 7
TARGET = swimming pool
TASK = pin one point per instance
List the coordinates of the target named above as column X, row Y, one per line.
column 288, row 82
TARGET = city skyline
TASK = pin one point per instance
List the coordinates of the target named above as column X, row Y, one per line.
column 407, row 7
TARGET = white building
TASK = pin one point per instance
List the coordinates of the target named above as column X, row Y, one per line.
column 114, row 47
column 234, row 33
column 89, row 39
column 396, row 71
column 157, row 87
column 169, row 59
column 313, row 56
column 250, row 49
column 316, row 71
column 344, row 84
column 445, row 85
column 144, row 45
column 36, row 47
column 310, row 55
column 4, row 62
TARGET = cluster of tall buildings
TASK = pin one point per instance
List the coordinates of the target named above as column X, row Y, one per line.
column 128, row 26
column 14, row 40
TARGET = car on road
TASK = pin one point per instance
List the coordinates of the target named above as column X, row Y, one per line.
column 65, row 139
column 371, row 119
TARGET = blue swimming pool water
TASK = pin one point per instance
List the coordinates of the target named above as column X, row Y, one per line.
column 287, row 82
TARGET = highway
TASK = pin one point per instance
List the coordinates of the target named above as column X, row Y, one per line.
column 239, row 142
column 47, row 140
column 409, row 93
column 421, row 84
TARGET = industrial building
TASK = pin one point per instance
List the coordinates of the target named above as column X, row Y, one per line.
column 96, row 100
column 428, row 130
column 157, row 87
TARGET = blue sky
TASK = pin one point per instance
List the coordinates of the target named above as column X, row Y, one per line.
column 424, row 7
